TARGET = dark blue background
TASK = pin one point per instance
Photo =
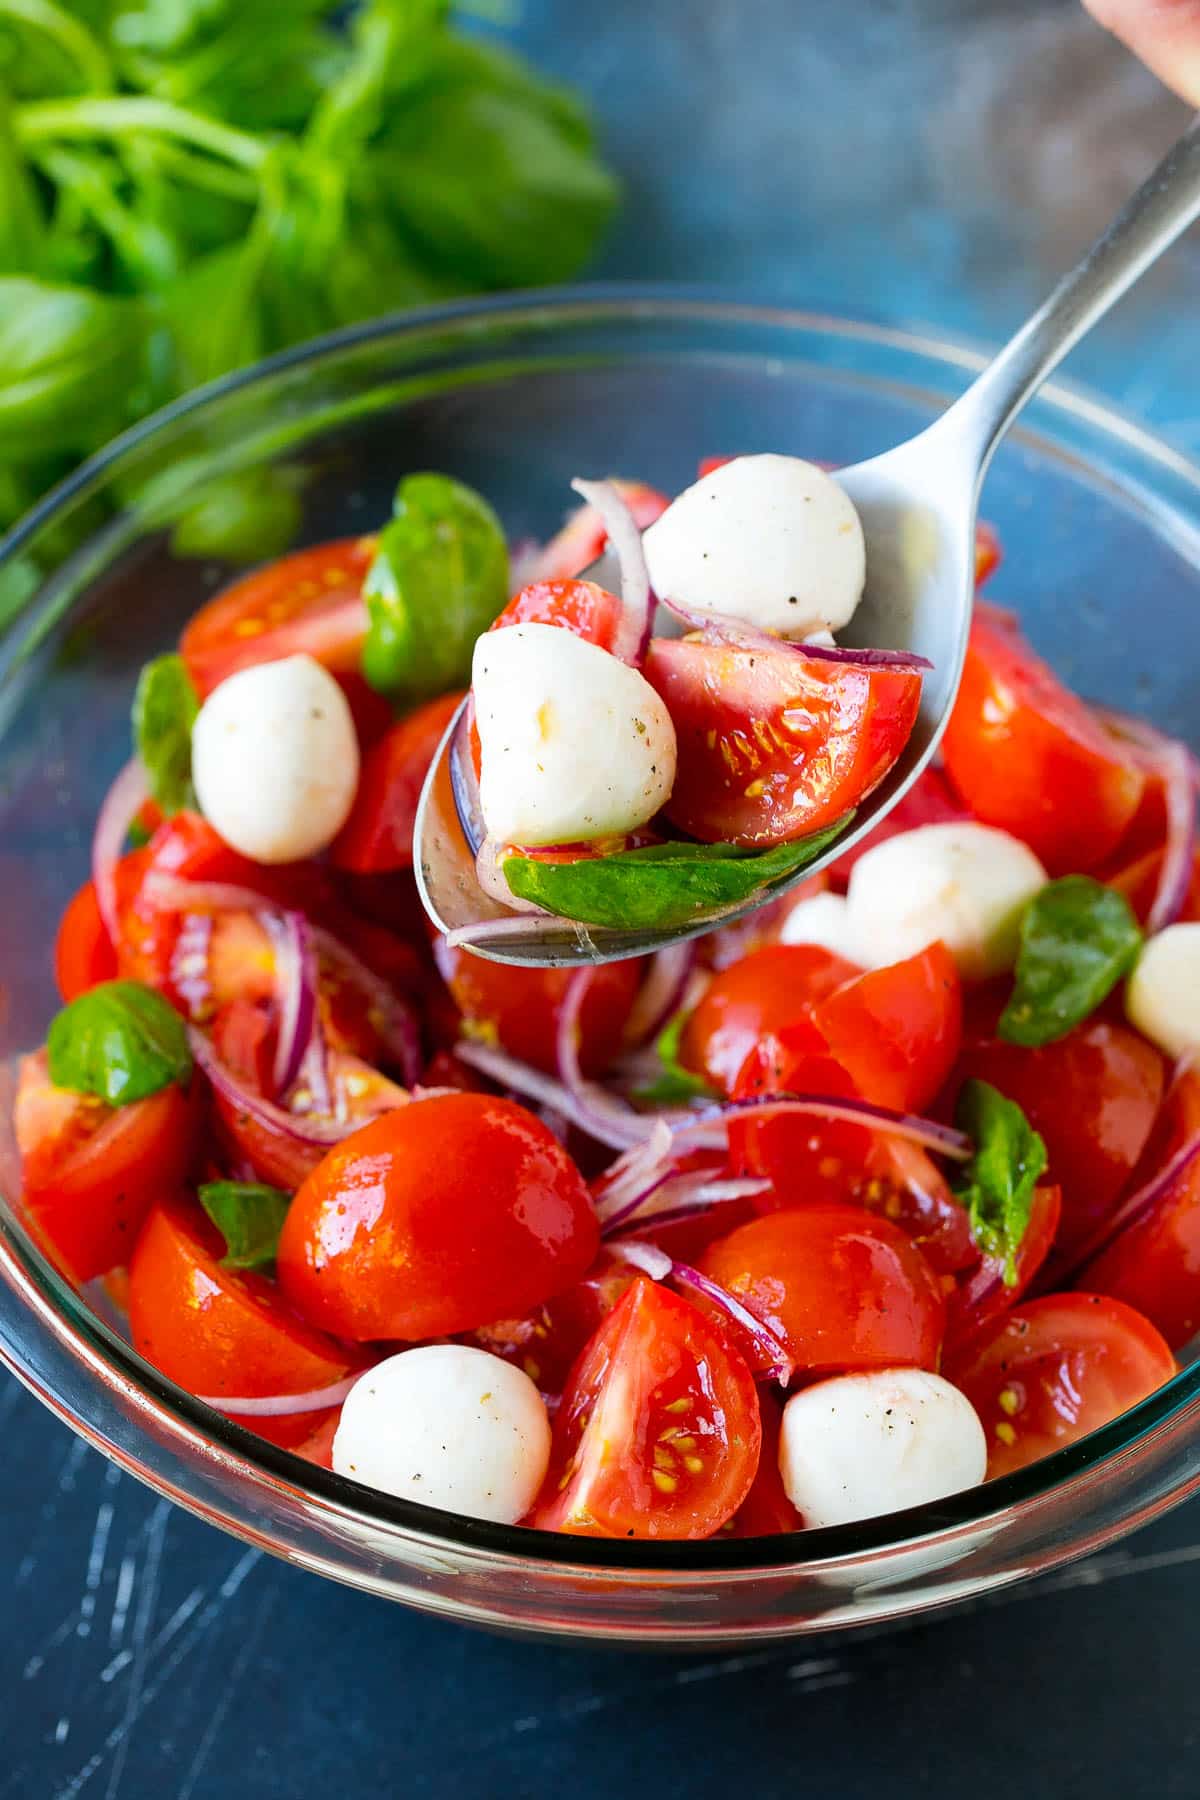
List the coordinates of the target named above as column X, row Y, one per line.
column 931, row 161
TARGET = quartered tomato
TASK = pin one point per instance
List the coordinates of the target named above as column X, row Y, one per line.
column 448, row 1213
column 219, row 1331
column 764, row 992
column 90, row 1172
column 773, row 745
column 1054, row 1370
column 766, row 1510
column 1154, row 1264
column 308, row 603
column 83, row 952
column 1094, row 1096
column 1027, row 755
column 896, row 1030
column 583, row 607
column 658, row 1434
column 546, row 1342
column 985, row 1295
column 378, row 835
column 582, row 539
column 842, row 1289
column 519, row 1008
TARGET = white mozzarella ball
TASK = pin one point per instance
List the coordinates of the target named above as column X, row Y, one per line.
column 575, row 744
column 275, row 759
column 860, row 1445
column 967, row 884
column 450, row 1426
column 822, row 919
column 772, row 540
column 1162, row 996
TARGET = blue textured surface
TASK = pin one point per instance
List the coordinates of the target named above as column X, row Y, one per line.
column 931, row 162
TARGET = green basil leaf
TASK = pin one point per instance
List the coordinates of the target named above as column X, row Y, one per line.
column 71, row 364
column 439, row 578
column 249, row 1216
column 676, row 1085
column 120, row 1041
column 662, row 886
column 997, row 1184
column 1078, row 938
column 165, row 706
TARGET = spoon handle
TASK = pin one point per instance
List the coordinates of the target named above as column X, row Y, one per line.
column 1163, row 208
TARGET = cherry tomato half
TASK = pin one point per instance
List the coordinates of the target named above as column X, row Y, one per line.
column 658, row 1435
column 583, row 607
column 220, row 1331
column 984, row 1295
column 547, row 1342
column 773, row 745
column 519, row 1008
column 766, row 991
column 1056, row 1369
column 378, row 835
column 766, row 1510
column 439, row 1217
column 83, row 952
column 1027, row 754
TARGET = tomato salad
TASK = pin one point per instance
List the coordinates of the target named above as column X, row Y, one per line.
column 890, row 1189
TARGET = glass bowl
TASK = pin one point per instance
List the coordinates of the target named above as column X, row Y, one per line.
column 1101, row 527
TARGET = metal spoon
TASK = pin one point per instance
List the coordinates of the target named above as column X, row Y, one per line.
column 918, row 507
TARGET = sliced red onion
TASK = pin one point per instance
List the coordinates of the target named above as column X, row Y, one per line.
column 304, row 1129
column 723, row 628
column 494, row 931
column 524, row 559
column 633, row 638
column 1134, row 1209
column 647, row 1257
column 772, row 1352
column 620, row 1130
column 1178, row 770
column 391, row 1015
column 296, row 981
column 926, row 1132
column 661, row 993
column 189, row 963
column 601, row 1111
column 124, row 799
column 635, row 1172
column 280, row 1406
column 680, row 1198
column 490, row 876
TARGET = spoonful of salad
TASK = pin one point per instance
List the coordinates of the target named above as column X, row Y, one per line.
column 718, row 706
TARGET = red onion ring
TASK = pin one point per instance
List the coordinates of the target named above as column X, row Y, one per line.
column 189, row 963
column 120, row 807
column 1176, row 767
column 647, row 1257
column 601, row 1110
column 774, row 1359
column 615, row 1125
column 303, row 1128
column 296, row 1003
column 682, row 1197
column 724, row 629
column 661, row 993
column 1133, row 1210
column 279, row 1406
column 633, row 638
column 926, row 1132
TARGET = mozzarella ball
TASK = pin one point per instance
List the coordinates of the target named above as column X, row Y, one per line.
column 861, row 1445
column 822, row 919
column 1162, row 996
column 575, row 744
column 450, row 1426
column 275, row 760
column 772, row 540
column 967, row 884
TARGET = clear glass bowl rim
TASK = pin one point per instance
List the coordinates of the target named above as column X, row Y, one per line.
column 192, row 1427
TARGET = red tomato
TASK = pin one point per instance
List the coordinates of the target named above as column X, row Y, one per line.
column 90, row 1172
column 1056, row 1369
column 1094, row 1096
column 843, row 1290
column 766, row 1510
column 896, row 1030
column 1154, row 1264
column 378, row 835
column 988, row 553
column 983, row 1296
column 773, row 745
column 658, row 1435
column 519, row 1008
column 220, row 1331
column 318, row 1448
column 546, row 1342
column 583, row 607
column 310, row 603
column 437, row 1218
column 1027, row 754
column 582, row 539
column 764, row 992
column 83, row 953
column 1138, row 881
column 930, row 801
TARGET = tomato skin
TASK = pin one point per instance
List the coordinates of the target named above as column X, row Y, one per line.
column 223, row 1331
column 437, row 1218
column 1094, row 1096
column 1138, row 881
column 583, row 607
column 519, row 1008
column 1056, row 1369
column 378, row 835
column 547, row 1342
column 773, row 745
column 1027, row 755
column 1154, row 1264
column 768, row 990
column 897, row 1030
column 842, row 1289
column 982, row 1297
column 90, row 1172
column 83, row 952
column 310, row 602
column 658, row 1435
column 766, row 1511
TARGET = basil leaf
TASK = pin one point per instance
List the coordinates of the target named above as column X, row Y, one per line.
column 164, row 710
column 676, row 1085
column 997, row 1184
column 71, row 364
column 120, row 1041
column 661, row 886
column 439, row 578
column 1078, row 938
column 249, row 1216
